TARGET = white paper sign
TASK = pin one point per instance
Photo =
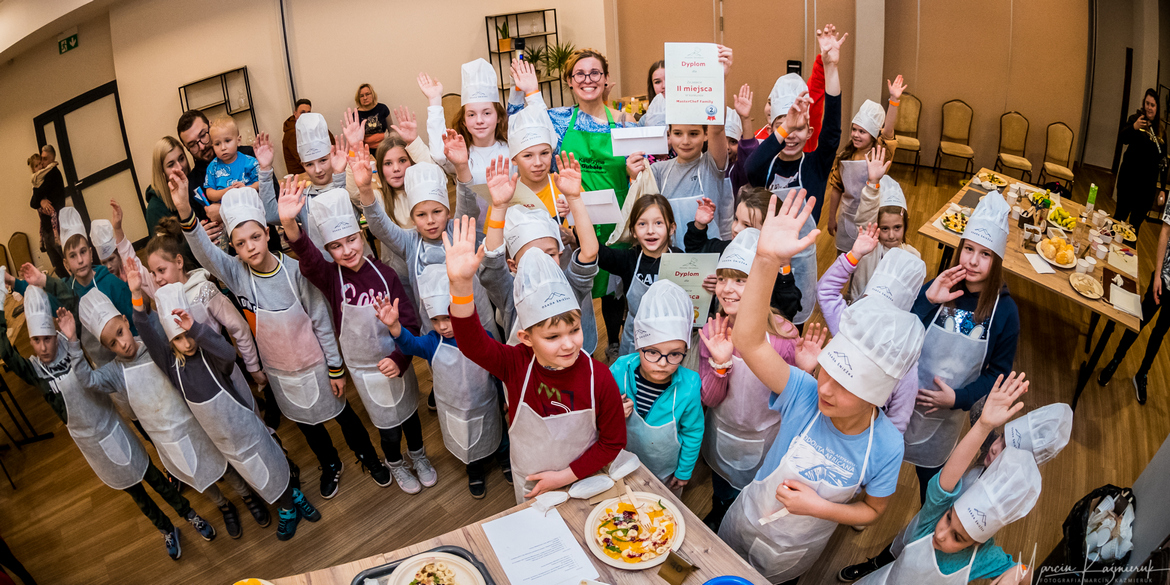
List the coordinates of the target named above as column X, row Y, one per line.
column 602, row 207
column 650, row 140
column 688, row 271
column 694, row 84
column 536, row 549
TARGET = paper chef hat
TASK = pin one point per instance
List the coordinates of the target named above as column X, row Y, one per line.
column 732, row 125
column 168, row 298
column 523, row 225
column 333, row 214
column 870, row 117
column 988, row 225
column 101, row 235
column 240, row 205
column 38, row 313
column 480, row 83
column 666, row 314
column 898, row 277
column 540, row 290
column 529, row 127
column 873, row 349
column 96, row 311
column 741, row 252
column 890, row 193
column 655, row 113
column 1043, row 432
column 784, row 94
column 434, row 290
column 425, row 182
column 1006, row 492
column 312, row 137
column 69, row 224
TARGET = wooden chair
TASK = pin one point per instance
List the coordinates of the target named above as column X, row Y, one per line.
column 1013, row 144
column 19, row 247
column 5, row 261
column 451, row 104
column 906, row 129
column 1058, row 145
column 955, row 136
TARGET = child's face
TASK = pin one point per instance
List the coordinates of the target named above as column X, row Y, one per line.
column 347, row 251
column 165, row 271
column 732, row 149
column 687, row 140
column 442, row 325
column 660, row 371
column 949, row 534
column 184, row 344
column 250, row 241
column 394, row 166
column 794, row 143
column 481, row 120
column 114, row 265
column 430, row 217
column 652, row 231
column 834, row 400
column 659, row 78
column 891, row 230
column 977, row 259
column 745, row 217
column 547, row 245
column 729, row 291
column 860, row 138
column 79, row 261
column 45, row 347
column 555, row 346
column 993, row 452
column 768, row 108
column 225, row 141
column 320, row 171
column 533, row 163
column 117, row 338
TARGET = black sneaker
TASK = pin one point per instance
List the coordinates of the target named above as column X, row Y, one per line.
column 477, row 487
column 330, row 479
column 304, row 508
column 231, row 520
column 171, row 540
column 1107, row 371
column 854, row 572
column 1139, row 384
column 203, row 527
column 259, row 510
column 431, row 401
column 378, row 471
column 505, row 468
column 287, row 528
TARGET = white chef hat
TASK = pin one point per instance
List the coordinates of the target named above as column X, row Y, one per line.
column 480, row 83
column 523, row 225
column 898, row 277
column 988, row 225
column 741, row 252
column 666, row 314
column 1044, row 432
column 96, row 310
column 434, row 290
column 873, row 349
column 870, row 117
column 166, row 299
column 69, row 224
column 240, row 205
column 101, row 235
column 312, row 137
column 529, row 127
column 425, row 182
column 890, row 193
column 1004, row 493
column 333, row 214
column 784, row 94
column 540, row 290
column 38, row 313
column 732, row 125
column 655, row 113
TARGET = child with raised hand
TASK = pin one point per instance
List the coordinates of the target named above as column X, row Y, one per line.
column 199, row 362
column 882, row 202
column 292, row 327
column 530, row 147
column 898, row 278
column 664, row 413
column 383, row 375
column 229, row 169
column 740, row 145
column 104, row 237
column 833, row 440
column 565, row 416
column 466, row 397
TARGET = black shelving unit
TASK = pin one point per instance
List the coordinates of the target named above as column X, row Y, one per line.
column 544, row 21
column 214, row 96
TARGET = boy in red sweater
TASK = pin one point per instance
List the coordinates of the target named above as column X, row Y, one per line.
column 565, row 417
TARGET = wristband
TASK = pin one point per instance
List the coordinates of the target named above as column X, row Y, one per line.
column 781, row 132
column 137, row 302
column 785, row 270
column 494, row 224
column 462, row 300
column 721, row 371
column 894, row 103
column 531, row 93
column 851, row 258
column 873, row 186
column 719, row 366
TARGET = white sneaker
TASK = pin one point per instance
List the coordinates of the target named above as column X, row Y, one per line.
column 423, row 468
column 406, row 480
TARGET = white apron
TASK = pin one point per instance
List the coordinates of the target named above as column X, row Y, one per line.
column 957, row 360
column 294, row 361
column 243, row 439
column 548, row 443
column 740, row 430
column 633, row 301
column 854, row 174
column 200, row 313
column 364, row 341
column 804, row 264
column 183, row 446
column 467, row 404
column 657, row 447
column 685, row 208
column 918, row 566
column 100, row 355
column 785, row 548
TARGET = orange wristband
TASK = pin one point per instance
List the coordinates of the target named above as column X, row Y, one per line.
column 852, row 259
column 137, row 302
column 721, row 371
column 894, row 103
column 462, row 300
column 531, row 93
column 780, row 131
column 785, row 270
column 494, row 224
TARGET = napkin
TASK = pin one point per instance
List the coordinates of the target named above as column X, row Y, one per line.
column 1039, row 265
column 1124, row 300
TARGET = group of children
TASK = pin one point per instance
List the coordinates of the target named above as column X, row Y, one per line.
column 497, row 296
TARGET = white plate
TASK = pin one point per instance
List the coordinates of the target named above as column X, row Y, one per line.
column 465, row 572
column 1073, row 264
column 591, row 522
column 1094, row 294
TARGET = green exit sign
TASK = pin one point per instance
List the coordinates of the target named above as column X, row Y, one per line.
column 67, row 44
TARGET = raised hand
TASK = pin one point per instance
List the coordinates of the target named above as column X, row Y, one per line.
column 32, row 275
column 940, row 291
column 1001, row 403
column 338, row 156
column 387, row 311
column 183, row 319
column 431, row 88
column 743, row 103
column 830, row 44
column 133, row 277
column 454, row 147
column 896, row 88
column 875, row 162
column 867, row 240
column 719, row 343
column 291, row 199
column 65, row 324
column 359, row 165
column 524, row 76
column 705, row 214
column 797, row 116
column 501, row 186
column 808, row 347
column 725, row 59
column 780, row 237
column 264, row 151
column 116, row 216
column 933, row 400
column 407, row 124
column 568, row 175
column 352, row 127
column 462, row 258
column 177, row 183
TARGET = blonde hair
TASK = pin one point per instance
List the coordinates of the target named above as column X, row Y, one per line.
column 568, row 318
column 224, row 123
column 585, row 54
column 357, row 96
column 158, row 179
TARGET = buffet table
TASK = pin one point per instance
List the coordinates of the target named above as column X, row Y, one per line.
column 701, row 546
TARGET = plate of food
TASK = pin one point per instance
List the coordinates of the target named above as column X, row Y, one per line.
column 436, row 568
column 1086, row 285
column 997, row 182
column 1059, row 218
column 1057, row 252
column 1125, row 230
column 1042, row 199
column 954, row 221
column 617, row 537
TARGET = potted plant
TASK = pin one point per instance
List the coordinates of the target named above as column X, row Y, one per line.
column 504, row 38
column 556, row 56
column 538, row 56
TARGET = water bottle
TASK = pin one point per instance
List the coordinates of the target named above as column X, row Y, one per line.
column 1092, row 198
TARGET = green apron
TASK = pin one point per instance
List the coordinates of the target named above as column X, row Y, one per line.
column 600, row 169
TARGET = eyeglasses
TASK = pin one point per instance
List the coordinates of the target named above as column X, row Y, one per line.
column 593, row 76
column 673, row 358
column 203, row 138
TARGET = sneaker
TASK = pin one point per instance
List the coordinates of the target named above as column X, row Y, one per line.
column 205, row 529
column 231, row 520
column 506, row 469
column 611, row 353
column 1139, row 384
column 304, row 508
column 259, row 510
column 1107, row 371
column 854, row 572
column 287, row 528
column 431, row 402
column 426, row 472
column 406, row 480
column 330, row 480
column 477, row 487
column 171, row 540
column 378, row 471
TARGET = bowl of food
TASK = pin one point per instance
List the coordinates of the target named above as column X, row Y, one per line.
column 436, row 568
column 1057, row 252
column 1061, row 219
column 618, row 535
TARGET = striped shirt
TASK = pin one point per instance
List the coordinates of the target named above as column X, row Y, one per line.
column 648, row 392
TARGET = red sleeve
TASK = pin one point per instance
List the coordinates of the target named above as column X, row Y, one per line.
column 611, row 426
column 497, row 358
column 816, row 91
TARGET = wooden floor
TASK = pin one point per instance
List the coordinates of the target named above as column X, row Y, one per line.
column 69, row 528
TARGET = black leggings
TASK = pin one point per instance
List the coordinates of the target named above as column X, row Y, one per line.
column 170, row 494
column 1149, row 309
column 352, row 429
column 8, row 561
column 613, row 312
column 392, row 438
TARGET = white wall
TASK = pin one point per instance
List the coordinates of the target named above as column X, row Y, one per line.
column 1115, row 21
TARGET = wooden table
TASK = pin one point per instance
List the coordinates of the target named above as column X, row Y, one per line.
column 1015, row 263
column 712, row 556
